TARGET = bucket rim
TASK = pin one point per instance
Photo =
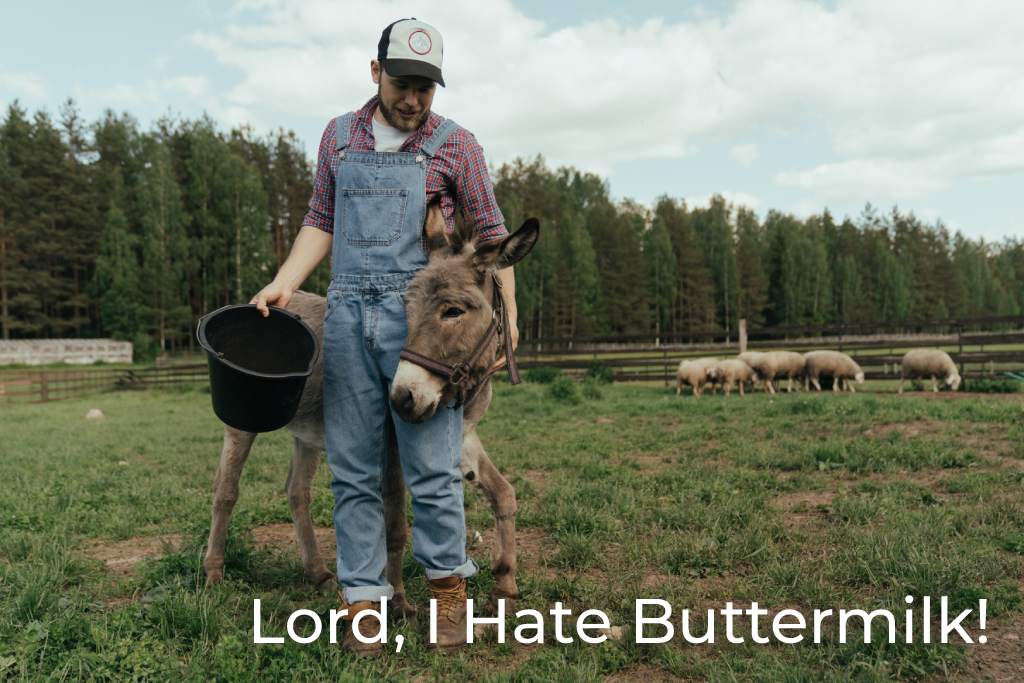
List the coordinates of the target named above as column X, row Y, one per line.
column 205, row 343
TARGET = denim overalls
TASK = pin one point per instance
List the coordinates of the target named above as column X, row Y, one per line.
column 380, row 206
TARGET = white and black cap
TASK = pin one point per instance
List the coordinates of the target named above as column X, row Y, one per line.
column 409, row 47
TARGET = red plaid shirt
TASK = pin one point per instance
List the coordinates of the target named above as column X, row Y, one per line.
column 458, row 172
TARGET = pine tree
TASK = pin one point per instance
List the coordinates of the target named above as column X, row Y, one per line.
column 164, row 248
column 81, row 238
column 694, row 307
column 117, row 280
column 662, row 277
column 752, row 299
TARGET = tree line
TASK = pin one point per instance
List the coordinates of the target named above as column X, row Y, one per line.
column 109, row 230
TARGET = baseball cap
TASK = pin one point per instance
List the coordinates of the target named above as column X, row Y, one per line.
column 410, row 47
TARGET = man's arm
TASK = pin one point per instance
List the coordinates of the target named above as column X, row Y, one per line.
column 314, row 240
column 309, row 248
column 474, row 195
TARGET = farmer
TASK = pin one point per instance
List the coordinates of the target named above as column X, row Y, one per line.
column 377, row 170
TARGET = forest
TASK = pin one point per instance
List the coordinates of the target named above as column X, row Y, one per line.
column 108, row 230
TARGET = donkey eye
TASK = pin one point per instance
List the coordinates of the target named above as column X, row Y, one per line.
column 452, row 312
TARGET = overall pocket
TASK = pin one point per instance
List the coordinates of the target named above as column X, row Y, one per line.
column 372, row 217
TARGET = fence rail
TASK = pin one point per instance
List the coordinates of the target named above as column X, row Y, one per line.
column 880, row 357
column 37, row 386
column 978, row 353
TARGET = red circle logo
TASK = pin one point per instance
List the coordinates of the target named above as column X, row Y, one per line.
column 419, row 42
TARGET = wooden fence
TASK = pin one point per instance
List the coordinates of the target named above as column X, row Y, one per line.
column 879, row 350
column 35, row 386
column 978, row 354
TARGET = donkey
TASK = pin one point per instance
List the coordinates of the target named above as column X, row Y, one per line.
column 450, row 307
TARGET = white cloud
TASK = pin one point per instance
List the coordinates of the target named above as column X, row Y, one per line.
column 745, row 154
column 21, row 85
column 914, row 96
column 192, row 86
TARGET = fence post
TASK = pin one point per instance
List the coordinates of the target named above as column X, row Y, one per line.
column 664, row 356
column 44, row 388
column 960, row 353
column 743, row 335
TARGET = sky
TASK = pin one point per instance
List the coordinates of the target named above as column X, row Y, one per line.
column 790, row 105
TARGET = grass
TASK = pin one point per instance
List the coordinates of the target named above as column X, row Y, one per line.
column 794, row 501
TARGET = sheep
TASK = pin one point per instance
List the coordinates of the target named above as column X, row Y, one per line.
column 732, row 371
column 763, row 364
column 921, row 363
column 773, row 365
column 693, row 372
column 834, row 364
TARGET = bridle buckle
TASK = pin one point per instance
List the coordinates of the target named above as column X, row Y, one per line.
column 460, row 371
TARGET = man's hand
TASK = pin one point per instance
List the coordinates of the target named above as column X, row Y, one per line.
column 274, row 294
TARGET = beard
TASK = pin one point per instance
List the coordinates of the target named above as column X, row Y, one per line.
column 395, row 120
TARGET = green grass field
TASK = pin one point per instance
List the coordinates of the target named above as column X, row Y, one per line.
column 796, row 501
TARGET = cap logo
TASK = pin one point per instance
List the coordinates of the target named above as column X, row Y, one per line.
column 419, row 42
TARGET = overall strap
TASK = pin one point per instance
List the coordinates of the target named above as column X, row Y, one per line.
column 343, row 130
column 439, row 137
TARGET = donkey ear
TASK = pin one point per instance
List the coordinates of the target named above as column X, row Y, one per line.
column 435, row 230
column 511, row 250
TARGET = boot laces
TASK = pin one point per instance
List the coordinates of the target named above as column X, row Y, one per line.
column 449, row 600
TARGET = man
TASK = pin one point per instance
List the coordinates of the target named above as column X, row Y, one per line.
column 377, row 169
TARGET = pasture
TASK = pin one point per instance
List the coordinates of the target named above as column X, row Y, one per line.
column 795, row 501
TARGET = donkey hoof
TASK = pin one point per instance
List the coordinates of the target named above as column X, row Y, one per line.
column 325, row 583
column 214, row 577
column 401, row 609
column 501, row 594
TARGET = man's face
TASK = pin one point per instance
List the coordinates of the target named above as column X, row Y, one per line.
column 404, row 100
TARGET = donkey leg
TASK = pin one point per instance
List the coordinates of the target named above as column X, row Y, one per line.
column 396, row 525
column 225, row 494
column 503, row 502
column 300, row 479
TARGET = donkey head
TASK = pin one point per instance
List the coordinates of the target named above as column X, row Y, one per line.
column 449, row 310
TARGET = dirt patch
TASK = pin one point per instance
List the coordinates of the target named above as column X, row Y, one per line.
column 537, row 479
column 1002, row 657
column 121, row 557
column 533, row 548
column 118, row 602
column 803, row 508
column 993, row 445
column 282, row 537
column 802, row 500
column 910, row 430
column 964, row 395
column 643, row 672
column 651, row 463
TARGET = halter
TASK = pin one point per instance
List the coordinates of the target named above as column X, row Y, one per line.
column 458, row 373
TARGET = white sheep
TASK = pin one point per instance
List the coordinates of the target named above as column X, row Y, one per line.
column 834, row 364
column 730, row 372
column 772, row 365
column 693, row 372
column 922, row 363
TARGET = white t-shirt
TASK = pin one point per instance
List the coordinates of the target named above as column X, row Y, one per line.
column 388, row 138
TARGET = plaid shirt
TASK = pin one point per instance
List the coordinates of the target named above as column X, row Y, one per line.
column 458, row 172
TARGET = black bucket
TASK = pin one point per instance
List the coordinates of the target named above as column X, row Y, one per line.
column 258, row 366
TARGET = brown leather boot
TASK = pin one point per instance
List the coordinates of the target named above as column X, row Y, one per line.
column 369, row 627
column 450, row 593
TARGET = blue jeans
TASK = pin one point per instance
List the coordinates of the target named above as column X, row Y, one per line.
column 364, row 331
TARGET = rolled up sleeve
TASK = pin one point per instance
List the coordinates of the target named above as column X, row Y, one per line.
column 321, row 203
column 474, row 193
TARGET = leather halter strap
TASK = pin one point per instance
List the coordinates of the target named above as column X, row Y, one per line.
column 456, row 374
